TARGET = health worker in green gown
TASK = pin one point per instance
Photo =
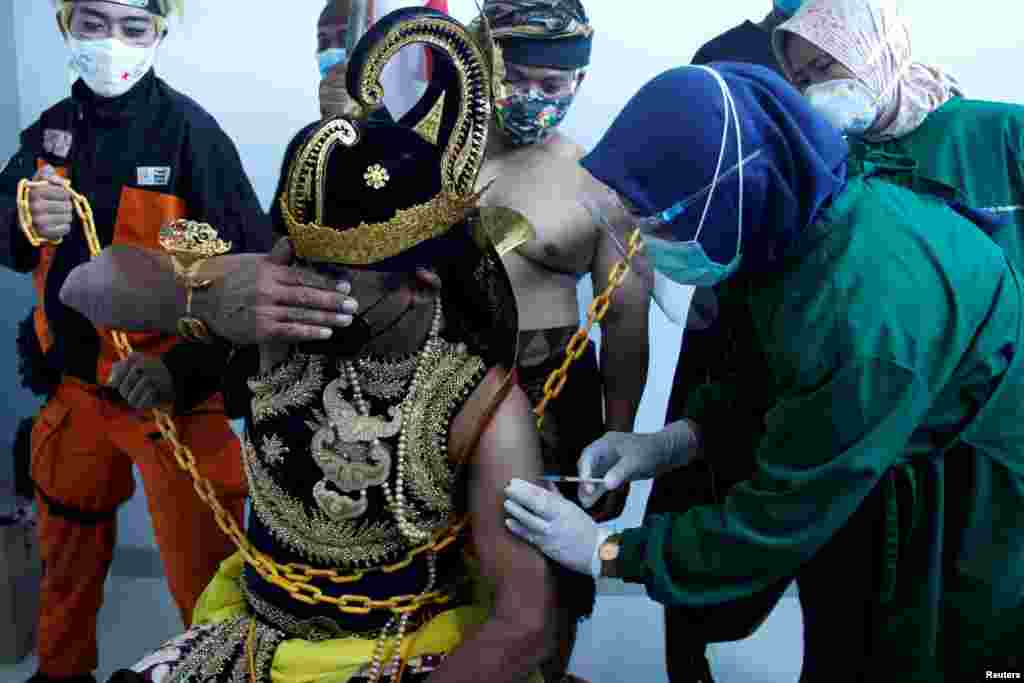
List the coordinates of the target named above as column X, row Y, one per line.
column 875, row 368
column 853, row 61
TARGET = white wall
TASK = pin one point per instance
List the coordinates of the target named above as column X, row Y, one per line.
column 251, row 65
column 15, row 402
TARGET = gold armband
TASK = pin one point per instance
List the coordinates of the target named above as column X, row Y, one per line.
column 189, row 244
column 25, row 215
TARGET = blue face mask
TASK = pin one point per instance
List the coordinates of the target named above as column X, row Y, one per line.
column 788, row 7
column 686, row 263
column 330, row 58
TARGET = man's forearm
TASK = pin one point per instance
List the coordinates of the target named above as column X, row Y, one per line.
column 126, row 288
column 624, row 360
column 502, row 651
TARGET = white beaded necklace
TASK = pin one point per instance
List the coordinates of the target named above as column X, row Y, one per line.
column 396, row 501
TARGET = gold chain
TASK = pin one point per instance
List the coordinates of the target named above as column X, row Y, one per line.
column 293, row 578
column 595, row 314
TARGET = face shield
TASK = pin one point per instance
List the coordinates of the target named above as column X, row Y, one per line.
column 674, row 266
column 678, row 273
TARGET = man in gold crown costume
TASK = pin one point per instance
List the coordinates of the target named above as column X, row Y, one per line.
column 369, row 452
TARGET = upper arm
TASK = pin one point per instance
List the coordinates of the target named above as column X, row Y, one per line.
column 630, row 303
column 509, row 448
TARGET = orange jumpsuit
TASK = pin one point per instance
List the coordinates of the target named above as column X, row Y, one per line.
column 143, row 159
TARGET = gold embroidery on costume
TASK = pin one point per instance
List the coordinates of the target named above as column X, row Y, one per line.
column 274, row 449
column 464, row 153
column 460, row 163
column 376, row 177
column 347, row 448
column 313, row 163
column 285, row 373
column 386, row 379
column 218, row 652
column 369, row 243
column 446, row 381
column 213, row 653
column 430, row 127
column 271, row 399
column 312, row 533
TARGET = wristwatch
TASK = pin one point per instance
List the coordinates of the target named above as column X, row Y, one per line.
column 609, row 555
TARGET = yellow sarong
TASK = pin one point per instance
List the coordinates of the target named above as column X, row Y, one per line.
column 337, row 661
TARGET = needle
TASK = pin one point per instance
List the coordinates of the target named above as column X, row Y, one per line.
column 571, row 480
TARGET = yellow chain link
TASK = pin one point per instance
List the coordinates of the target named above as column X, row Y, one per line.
column 595, row 314
column 294, row 578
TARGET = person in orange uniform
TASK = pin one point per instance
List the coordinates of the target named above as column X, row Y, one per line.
column 143, row 155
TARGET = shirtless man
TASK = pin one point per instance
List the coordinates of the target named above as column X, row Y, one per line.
column 546, row 49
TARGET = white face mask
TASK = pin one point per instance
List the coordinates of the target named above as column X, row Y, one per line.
column 109, row 67
column 846, row 103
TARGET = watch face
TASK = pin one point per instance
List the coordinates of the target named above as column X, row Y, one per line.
column 609, row 551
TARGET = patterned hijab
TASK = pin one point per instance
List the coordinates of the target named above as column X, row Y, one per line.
column 870, row 38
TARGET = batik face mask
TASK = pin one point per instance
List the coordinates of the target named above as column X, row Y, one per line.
column 527, row 118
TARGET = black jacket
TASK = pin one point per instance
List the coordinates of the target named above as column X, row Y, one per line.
column 142, row 159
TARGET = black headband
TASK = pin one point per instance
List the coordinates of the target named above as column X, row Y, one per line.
column 560, row 53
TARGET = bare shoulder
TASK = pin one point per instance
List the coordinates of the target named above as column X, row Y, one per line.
column 511, row 422
column 565, row 148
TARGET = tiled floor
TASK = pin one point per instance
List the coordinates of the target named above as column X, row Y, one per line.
column 624, row 641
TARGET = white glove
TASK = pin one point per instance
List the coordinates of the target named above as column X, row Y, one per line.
column 556, row 526
column 619, row 458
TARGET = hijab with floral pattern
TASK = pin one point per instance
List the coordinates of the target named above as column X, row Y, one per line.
column 871, row 39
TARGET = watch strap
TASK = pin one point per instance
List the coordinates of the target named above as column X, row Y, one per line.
column 596, row 564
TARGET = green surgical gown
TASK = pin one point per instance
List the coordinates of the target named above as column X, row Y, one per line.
column 883, row 362
column 976, row 147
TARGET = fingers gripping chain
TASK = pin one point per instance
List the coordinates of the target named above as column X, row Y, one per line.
column 597, row 311
column 294, row 578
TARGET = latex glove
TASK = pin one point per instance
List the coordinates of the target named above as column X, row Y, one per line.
column 557, row 527
column 143, row 381
column 619, row 458
column 610, row 506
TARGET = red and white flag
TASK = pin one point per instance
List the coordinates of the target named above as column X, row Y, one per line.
column 405, row 79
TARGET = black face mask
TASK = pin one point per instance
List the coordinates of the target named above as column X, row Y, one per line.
column 349, row 341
